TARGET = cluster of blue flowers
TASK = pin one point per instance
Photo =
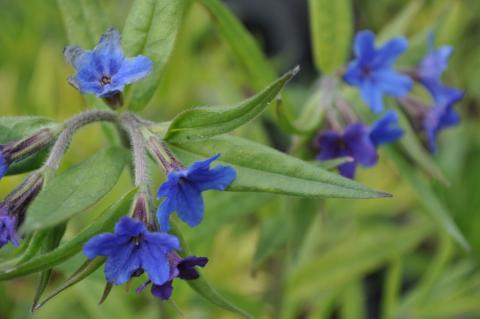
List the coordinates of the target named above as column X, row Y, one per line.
column 373, row 72
column 137, row 246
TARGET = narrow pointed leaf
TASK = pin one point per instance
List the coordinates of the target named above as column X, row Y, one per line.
column 204, row 122
column 76, row 189
column 331, row 25
column 151, row 29
column 263, row 169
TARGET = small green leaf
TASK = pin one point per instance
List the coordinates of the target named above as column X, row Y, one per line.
column 263, row 169
column 51, row 242
column 85, row 270
column 104, row 223
column 331, row 25
column 201, row 286
column 151, row 29
column 76, row 189
column 204, row 122
column 84, row 21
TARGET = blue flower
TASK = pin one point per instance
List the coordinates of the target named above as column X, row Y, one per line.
column 132, row 250
column 179, row 268
column 183, row 190
column 442, row 115
column 386, row 130
column 432, row 66
column 354, row 142
column 105, row 71
column 372, row 70
column 8, row 227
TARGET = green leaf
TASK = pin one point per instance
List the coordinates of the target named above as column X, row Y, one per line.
column 400, row 22
column 85, row 270
column 429, row 199
column 201, row 286
column 331, row 25
column 332, row 164
column 52, row 241
column 263, row 169
column 242, row 43
column 77, row 189
column 204, row 122
column 151, row 29
column 84, row 21
column 104, row 223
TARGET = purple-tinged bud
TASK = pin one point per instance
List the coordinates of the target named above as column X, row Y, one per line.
column 17, row 150
column 140, row 208
column 163, row 155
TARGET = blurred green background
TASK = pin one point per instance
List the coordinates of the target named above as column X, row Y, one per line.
column 343, row 259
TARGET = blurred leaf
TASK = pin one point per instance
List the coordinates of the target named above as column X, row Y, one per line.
column 392, row 286
column 242, row 43
column 204, row 122
column 428, row 199
column 358, row 254
column 332, row 164
column 76, row 189
column 263, row 169
column 400, row 23
column 151, row 29
column 84, row 21
column 353, row 303
column 331, row 25
column 52, row 241
column 103, row 223
column 201, row 286
column 85, row 270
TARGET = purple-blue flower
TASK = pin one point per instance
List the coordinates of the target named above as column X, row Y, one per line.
column 8, row 227
column 359, row 142
column 183, row 191
column 4, row 163
column 386, row 129
column 105, row 70
column 372, row 70
column 442, row 114
column 179, row 268
column 354, row 142
column 132, row 250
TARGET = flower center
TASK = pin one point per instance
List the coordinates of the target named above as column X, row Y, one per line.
column 137, row 240
column 105, row 80
column 366, row 71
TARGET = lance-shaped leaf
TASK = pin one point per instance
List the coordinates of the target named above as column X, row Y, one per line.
column 77, row 189
column 201, row 285
column 331, row 27
column 204, row 122
column 263, row 169
column 104, row 223
column 151, row 29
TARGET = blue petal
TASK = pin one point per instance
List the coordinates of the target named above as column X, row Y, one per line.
column 385, row 56
column 204, row 178
column 348, row 169
column 372, row 95
column 86, row 87
column 132, row 70
column 386, row 129
column 164, row 211
column 163, row 291
column 331, row 146
column 123, row 263
column 103, row 245
column 202, row 165
column 127, row 226
column 189, row 202
column 359, row 145
column 364, row 46
column 108, row 55
column 186, row 267
column 8, row 228
column 155, row 249
column 393, row 83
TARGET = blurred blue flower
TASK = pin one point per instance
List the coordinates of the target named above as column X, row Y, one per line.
column 105, row 71
column 131, row 250
column 432, row 66
column 8, row 227
column 179, row 268
column 442, row 115
column 353, row 142
column 386, row 129
column 183, row 191
column 372, row 71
